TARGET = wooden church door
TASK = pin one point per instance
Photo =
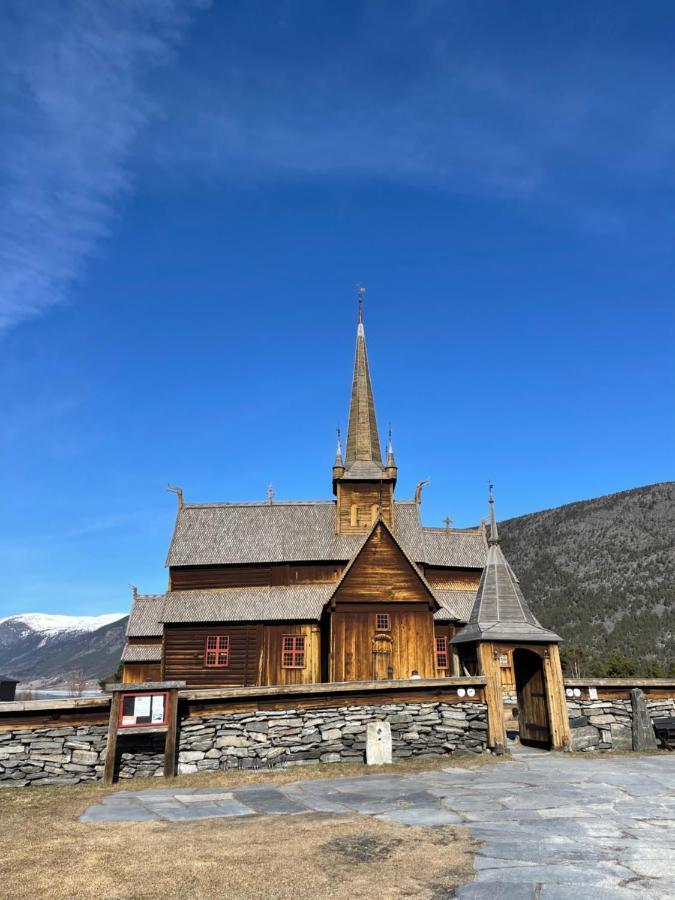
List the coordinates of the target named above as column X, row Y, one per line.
column 533, row 715
column 382, row 657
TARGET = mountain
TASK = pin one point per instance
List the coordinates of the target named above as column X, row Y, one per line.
column 599, row 572
column 48, row 650
column 602, row 574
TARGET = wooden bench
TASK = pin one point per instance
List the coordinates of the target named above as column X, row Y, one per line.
column 665, row 732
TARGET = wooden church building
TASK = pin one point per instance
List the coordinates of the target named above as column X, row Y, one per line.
column 353, row 588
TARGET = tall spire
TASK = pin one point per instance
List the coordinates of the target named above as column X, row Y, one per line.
column 494, row 536
column 363, row 455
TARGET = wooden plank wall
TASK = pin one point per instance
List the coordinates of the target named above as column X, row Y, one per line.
column 184, row 654
column 448, row 579
column 136, row 673
column 353, row 628
column 381, row 573
column 489, row 667
column 446, row 630
column 561, row 737
column 191, row 578
column 272, row 669
column 364, row 495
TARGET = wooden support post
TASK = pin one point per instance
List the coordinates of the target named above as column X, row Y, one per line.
column 111, row 746
column 561, row 738
column 493, row 697
column 170, row 744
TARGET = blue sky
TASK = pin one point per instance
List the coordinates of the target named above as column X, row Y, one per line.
column 189, row 194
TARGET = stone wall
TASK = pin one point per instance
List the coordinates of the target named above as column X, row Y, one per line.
column 52, row 755
column 69, row 755
column 607, row 724
column 294, row 737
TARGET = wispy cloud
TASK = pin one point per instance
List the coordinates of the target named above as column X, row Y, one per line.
column 555, row 104
column 73, row 101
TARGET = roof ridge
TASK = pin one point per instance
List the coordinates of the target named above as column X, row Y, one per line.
column 247, row 588
column 248, row 503
column 437, row 528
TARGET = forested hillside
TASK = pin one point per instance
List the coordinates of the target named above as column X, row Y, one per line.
column 602, row 574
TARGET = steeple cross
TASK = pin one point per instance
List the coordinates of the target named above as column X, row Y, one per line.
column 447, row 521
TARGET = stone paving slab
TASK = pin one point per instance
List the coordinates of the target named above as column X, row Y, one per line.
column 551, row 826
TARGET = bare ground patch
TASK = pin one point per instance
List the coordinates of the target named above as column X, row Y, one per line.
column 46, row 851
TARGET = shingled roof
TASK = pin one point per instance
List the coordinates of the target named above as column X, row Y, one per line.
column 144, row 618
column 139, row 653
column 304, row 531
column 455, row 605
column 500, row 611
column 254, row 604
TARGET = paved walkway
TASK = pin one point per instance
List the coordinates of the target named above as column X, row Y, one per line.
column 552, row 825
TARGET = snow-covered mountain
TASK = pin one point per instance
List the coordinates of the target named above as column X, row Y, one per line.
column 42, row 648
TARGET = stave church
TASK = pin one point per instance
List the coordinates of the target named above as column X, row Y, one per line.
column 351, row 588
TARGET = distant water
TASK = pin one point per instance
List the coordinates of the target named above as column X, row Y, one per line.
column 54, row 694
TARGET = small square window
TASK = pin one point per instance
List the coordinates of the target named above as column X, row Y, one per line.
column 441, row 653
column 383, row 621
column 293, row 651
column 217, row 651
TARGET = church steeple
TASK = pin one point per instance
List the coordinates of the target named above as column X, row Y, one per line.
column 363, row 485
column 363, row 456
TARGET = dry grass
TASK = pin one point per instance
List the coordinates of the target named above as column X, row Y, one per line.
column 47, row 852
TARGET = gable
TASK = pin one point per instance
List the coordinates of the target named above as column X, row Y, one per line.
column 381, row 572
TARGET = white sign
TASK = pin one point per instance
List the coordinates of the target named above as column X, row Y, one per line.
column 569, row 692
column 142, row 706
column 577, row 692
column 471, row 692
column 158, row 708
column 461, row 692
column 593, row 693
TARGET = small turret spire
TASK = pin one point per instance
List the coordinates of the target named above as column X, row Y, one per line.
column 390, row 451
column 338, row 452
column 494, row 536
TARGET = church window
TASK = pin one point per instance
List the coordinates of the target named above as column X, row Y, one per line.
column 383, row 621
column 293, row 651
column 217, row 651
column 441, row 653
column 354, row 515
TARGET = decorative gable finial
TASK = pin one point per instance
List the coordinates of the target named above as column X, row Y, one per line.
column 177, row 491
column 134, row 591
column 418, row 490
column 270, row 493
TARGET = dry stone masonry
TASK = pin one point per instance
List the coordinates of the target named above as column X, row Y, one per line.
column 608, row 724
column 52, row 755
column 294, row 737
column 69, row 755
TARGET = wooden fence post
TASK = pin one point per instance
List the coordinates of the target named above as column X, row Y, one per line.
column 111, row 745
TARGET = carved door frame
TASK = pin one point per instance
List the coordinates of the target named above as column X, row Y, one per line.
column 382, row 646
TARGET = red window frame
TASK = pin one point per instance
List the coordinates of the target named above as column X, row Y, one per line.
column 383, row 621
column 293, row 651
column 217, row 651
column 442, row 659
column 164, row 721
